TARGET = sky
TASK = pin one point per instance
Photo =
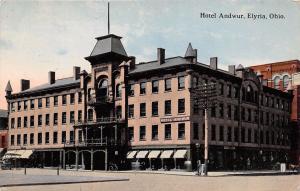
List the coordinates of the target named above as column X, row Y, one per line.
column 41, row 36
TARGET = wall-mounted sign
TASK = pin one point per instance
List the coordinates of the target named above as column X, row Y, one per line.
column 296, row 79
column 174, row 119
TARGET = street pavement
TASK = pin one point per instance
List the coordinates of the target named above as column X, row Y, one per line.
column 165, row 180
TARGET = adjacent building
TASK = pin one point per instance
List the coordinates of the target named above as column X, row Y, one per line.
column 280, row 75
column 122, row 112
column 3, row 131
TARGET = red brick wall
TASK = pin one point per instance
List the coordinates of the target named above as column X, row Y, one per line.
column 3, row 138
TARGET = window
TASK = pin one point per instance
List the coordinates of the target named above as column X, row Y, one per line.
column 47, row 138
column 80, row 136
column 168, row 84
column 155, row 86
column 236, row 113
column 64, row 99
column 55, row 100
column 32, row 104
column 229, row 111
column 18, row 139
column 195, row 82
column 47, row 119
column 236, row 134
column 196, row 106
column 19, row 105
column 40, row 138
column 72, row 98
column 213, row 132
column 13, row 107
column 40, row 103
column 195, row 131
column 155, row 108
column 31, row 138
column 181, row 105
column 131, row 90
column 267, row 138
column 72, row 117
column 213, row 111
column 55, row 138
column 71, row 136
column 249, row 115
column 25, row 122
column 243, row 114
column 229, row 91
column 25, row 105
column 79, row 115
column 142, row 133
column 221, row 133
column 236, row 92
column 285, row 81
column 249, row 135
column 229, row 137
column 243, row 134
column 79, row 97
column 19, row 122
column 12, row 140
column 221, row 86
column 181, row 84
column 130, row 111
column 130, row 134
column 90, row 114
column 55, row 119
column 181, row 131
column 168, row 106
column 24, row 139
column 40, row 120
column 276, row 82
column 154, row 132
column 143, row 109
column 118, row 91
column 119, row 112
column 221, row 110
column 64, row 117
column 143, row 88
column 63, row 136
column 47, row 101
column 12, row 123
column 31, row 121
column 255, row 136
column 168, row 132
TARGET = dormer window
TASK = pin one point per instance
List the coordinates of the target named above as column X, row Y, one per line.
column 102, row 88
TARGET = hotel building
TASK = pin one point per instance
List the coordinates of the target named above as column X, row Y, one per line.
column 122, row 112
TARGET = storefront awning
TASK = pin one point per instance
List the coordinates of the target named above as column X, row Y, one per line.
column 131, row 154
column 153, row 154
column 11, row 154
column 179, row 154
column 26, row 154
column 141, row 154
column 166, row 154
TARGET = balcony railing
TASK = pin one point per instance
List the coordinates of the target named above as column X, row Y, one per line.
column 98, row 121
column 92, row 142
column 99, row 100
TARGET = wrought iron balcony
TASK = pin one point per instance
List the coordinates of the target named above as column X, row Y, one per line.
column 92, row 142
column 94, row 101
column 98, row 121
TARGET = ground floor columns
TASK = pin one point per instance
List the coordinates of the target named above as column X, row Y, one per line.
column 92, row 159
column 64, row 159
column 106, row 164
column 76, row 160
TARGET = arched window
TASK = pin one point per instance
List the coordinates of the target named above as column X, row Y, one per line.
column 118, row 91
column 276, row 82
column 102, row 88
column 249, row 94
column 285, row 81
column 89, row 93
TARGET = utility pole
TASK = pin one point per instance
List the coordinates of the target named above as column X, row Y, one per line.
column 205, row 96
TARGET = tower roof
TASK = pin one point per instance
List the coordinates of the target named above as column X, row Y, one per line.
column 8, row 87
column 190, row 51
column 240, row 67
column 108, row 44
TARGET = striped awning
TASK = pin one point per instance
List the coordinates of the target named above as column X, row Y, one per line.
column 141, row 154
column 26, row 154
column 179, row 154
column 166, row 154
column 16, row 154
column 131, row 154
column 153, row 154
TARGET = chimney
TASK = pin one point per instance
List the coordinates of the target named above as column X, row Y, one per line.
column 51, row 77
column 195, row 56
column 214, row 63
column 76, row 72
column 160, row 55
column 132, row 63
column 25, row 84
column 231, row 69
